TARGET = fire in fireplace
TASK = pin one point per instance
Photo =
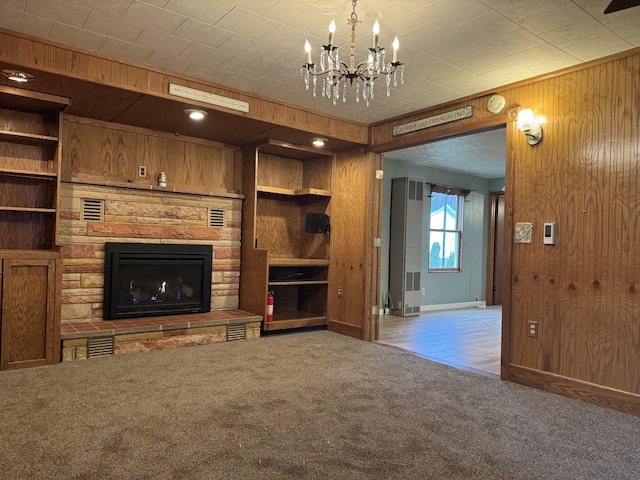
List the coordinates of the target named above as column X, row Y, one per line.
column 144, row 279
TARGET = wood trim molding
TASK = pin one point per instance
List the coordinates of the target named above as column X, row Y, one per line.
column 569, row 387
column 507, row 298
column 355, row 331
column 427, row 135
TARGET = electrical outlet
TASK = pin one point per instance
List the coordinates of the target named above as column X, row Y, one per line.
column 339, row 291
column 533, row 329
column 423, row 290
column 142, row 171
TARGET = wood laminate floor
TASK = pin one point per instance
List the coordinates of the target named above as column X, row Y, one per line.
column 467, row 338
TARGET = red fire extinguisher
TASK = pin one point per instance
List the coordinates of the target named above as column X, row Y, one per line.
column 270, row 307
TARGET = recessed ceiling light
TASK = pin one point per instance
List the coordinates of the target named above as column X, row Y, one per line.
column 18, row 76
column 318, row 142
column 195, row 114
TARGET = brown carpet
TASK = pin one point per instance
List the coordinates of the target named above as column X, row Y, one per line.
column 312, row 405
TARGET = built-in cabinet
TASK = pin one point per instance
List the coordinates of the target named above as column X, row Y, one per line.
column 29, row 185
column 30, row 311
column 286, row 233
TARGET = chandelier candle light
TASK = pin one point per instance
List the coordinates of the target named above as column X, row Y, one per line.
column 364, row 74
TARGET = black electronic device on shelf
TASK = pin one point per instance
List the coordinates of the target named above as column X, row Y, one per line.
column 316, row 223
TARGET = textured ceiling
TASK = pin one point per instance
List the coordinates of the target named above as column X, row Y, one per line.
column 450, row 48
column 480, row 154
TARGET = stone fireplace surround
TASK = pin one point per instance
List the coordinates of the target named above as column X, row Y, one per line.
column 132, row 213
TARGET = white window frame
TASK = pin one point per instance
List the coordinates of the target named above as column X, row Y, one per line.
column 457, row 230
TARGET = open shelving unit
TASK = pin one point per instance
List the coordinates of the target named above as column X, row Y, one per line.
column 282, row 184
column 29, row 168
column 30, row 260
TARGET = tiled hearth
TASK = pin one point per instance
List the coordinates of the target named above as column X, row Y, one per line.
column 81, row 340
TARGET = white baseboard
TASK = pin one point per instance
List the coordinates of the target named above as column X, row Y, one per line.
column 449, row 306
column 453, row 306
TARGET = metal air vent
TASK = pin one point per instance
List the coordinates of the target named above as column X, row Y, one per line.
column 412, row 281
column 415, row 190
column 92, row 210
column 100, row 347
column 236, row 332
column 216, row 217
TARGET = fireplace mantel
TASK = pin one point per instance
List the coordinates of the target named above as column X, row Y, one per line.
column 124, row 183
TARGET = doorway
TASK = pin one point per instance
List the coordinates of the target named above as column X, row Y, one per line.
column 453, row 326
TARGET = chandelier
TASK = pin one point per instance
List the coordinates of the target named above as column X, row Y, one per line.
column 336, row 74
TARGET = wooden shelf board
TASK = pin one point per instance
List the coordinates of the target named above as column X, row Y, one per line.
column 314, row 191
column 276, row 190
column 293, row 193
column 298, row 262
column 294, row 319
column 28, row 173
column 298, row 282
column 28, row 100
column 291, row 150
column 21, row 137
column 27, row 209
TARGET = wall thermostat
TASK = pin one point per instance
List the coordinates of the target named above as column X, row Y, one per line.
column 549, row 233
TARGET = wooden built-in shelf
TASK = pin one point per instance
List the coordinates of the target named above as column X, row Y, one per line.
column 298, row 262
column 290, row 192
column 285, row 183
column 124, row 183
column 297, row 282
column 294, row 319
column 290, row 150
column 26, row 209
column 22, row 137
column 30, row 262
column 28, row 173
column 30, row 101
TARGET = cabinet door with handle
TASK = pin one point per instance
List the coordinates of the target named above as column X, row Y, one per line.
column 28, row 313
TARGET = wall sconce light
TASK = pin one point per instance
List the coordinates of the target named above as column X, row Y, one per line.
column 195, row 114
column 528, row 124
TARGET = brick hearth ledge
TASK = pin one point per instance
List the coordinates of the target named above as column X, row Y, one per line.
column 82, row 340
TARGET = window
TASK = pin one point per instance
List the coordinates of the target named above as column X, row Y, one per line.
column 445, row 230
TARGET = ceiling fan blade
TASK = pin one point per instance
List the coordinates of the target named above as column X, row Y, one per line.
column 617, row 5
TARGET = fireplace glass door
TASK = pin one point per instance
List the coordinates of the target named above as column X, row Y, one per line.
column 156, row 279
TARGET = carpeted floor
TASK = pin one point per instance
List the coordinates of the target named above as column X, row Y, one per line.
column 309, row 405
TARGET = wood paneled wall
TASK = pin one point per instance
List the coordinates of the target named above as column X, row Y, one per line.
column 113, row 152
column 355, row 223
column 584, row 292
